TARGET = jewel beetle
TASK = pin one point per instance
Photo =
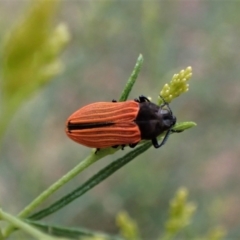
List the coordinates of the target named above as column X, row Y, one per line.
column 110, row 124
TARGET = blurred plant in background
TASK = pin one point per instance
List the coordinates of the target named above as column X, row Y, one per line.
column 180, row 216
column 30, row 56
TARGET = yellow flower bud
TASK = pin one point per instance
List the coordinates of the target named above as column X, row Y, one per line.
column 177, row 85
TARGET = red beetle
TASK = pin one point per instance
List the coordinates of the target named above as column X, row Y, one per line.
column 110, row 124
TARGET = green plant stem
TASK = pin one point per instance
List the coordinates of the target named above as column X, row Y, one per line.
column 92, row 182
column 54, row 187
column 25, row 227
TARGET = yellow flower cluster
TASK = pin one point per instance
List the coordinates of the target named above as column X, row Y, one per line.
column 128, row 227
column 181, row 212
column 177, row 86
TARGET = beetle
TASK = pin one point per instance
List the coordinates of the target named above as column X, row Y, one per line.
column 110, row 124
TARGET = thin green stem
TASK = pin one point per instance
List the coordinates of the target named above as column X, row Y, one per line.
column 92, row 182
column 25, row 227
column 53, row 188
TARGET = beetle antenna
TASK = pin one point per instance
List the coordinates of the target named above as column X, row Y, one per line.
column 165, row 104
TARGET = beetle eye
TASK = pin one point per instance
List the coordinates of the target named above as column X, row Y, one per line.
column 167, row 117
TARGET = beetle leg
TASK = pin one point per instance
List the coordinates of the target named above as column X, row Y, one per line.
column 115, row 146
column 133, row 145
column 136, row 100
column 143, row 99
column 155, row 142
column 97, row 150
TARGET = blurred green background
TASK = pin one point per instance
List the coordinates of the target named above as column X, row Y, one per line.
column 106, row 39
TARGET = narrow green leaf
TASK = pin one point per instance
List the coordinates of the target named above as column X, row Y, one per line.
column 68, row 232
column 132, row 79
column 92, row 182
column 181, row 126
